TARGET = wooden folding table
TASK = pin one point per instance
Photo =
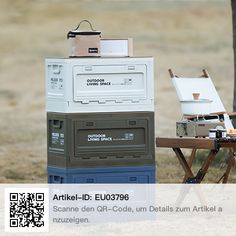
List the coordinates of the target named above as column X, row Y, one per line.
column 213, row 145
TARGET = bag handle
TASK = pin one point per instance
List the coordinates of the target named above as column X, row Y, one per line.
column 91, row 27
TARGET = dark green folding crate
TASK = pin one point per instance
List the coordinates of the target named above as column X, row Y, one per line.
column 100, row 139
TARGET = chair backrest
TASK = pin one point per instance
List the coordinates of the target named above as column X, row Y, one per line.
column 185, row 87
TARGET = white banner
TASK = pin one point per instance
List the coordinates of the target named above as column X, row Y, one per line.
column 138, row 209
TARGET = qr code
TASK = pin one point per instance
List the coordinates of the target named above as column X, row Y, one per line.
column 26, row 211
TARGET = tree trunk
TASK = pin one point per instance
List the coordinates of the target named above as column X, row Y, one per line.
column 233, row 5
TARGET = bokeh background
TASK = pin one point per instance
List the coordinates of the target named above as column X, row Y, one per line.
column 186, row 36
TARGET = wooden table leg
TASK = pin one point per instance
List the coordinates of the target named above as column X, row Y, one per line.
column 190, row 162
column 183, row 162
column 231, row 163
column 202, row 172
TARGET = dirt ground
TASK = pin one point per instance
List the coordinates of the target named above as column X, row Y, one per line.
column 184, row 36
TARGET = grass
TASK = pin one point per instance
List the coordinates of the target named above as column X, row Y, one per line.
column 179, row 35
column 171, row 171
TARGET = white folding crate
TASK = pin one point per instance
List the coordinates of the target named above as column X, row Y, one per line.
column 99, row 84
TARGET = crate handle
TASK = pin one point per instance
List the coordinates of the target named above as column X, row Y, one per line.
column 132, row 179
column 89, row 123
column 91, row 27
column 57, row 179
column 91, row 180
column 56, row 124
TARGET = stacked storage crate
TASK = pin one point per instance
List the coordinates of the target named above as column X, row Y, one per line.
column 100, row 120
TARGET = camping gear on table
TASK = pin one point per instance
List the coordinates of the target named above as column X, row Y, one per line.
column 201, row 106
column 195, row 107
column 200, row 128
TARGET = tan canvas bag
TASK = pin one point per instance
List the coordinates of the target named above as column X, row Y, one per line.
column 84, row 43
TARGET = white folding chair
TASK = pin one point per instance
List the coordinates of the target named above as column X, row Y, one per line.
column 203, row 85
